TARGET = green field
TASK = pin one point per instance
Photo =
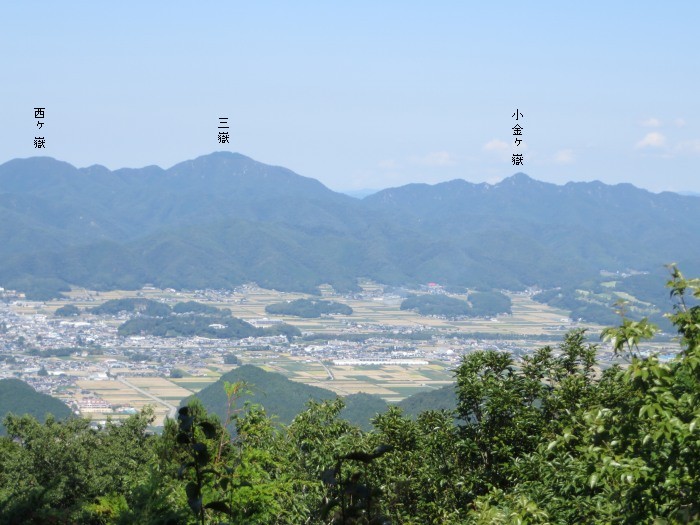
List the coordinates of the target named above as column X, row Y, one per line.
column 373, row 313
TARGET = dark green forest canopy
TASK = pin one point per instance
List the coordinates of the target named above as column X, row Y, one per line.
column 147, row 307
column 189, row 325
column 480, row 304
column 68, row 310
column 489, row 304
column 283, row 398
column 439, row 305
column 443, row 398
column 308, row 308
column 194, row 307
column 17, row 397
column 215, row 327
column 185, row 319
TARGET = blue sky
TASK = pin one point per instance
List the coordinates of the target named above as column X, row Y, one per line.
column 362, row 94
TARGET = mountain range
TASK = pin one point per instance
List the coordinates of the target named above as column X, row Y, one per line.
column 224, row 219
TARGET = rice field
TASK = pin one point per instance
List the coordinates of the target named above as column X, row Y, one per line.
column 371, row 314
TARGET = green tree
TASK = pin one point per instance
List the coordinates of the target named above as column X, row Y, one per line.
column 51, row 472
column 633, row 455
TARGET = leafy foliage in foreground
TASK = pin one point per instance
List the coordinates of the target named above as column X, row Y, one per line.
column 548, row 439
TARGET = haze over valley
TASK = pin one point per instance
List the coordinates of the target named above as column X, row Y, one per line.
column 178, row 275
column 349, row 263
column 223, row 220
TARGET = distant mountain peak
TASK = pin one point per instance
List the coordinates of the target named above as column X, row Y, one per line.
column 223, row 219
column 517, row 178
column 218, row 156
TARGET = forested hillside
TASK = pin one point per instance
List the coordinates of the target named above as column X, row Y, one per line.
column 308, row 308
column 17, row 397
column 480, row 304
column 282, row 398
column 183, row 320
column 223, row 219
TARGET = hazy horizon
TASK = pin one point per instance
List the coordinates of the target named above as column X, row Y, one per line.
column 362, row 95
column 361, row 192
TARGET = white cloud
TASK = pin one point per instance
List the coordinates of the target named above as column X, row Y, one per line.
column 679, row 122
column 652, row 140
column 496, row 145
column 564, row 156
column 436, row 158
column 651, row 123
